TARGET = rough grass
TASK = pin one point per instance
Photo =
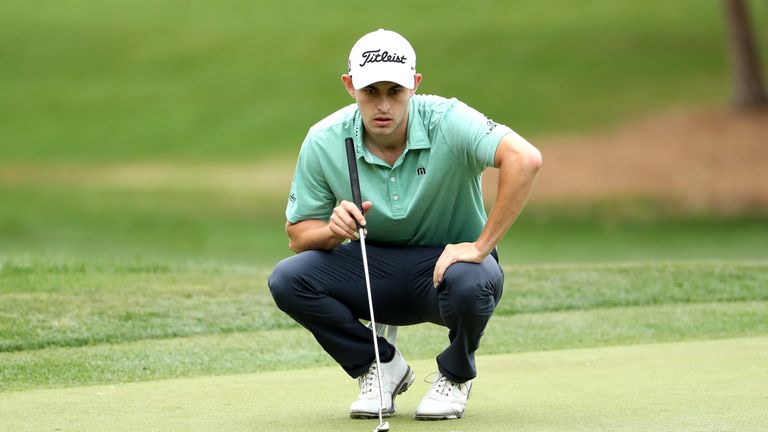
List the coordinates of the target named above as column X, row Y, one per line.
column 76, row 304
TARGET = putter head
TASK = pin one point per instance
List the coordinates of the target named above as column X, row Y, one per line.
column 382, row 427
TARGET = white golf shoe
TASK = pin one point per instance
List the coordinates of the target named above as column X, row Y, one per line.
column 396, row 377
column 445, row 400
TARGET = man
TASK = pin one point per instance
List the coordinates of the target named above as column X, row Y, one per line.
column 430, row 246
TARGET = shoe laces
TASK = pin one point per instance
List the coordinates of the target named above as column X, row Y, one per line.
column 369, row 381
column 441, row 385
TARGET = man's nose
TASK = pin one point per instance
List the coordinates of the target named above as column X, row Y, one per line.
column 384, row 104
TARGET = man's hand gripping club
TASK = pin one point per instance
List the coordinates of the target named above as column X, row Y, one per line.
column 345, row 219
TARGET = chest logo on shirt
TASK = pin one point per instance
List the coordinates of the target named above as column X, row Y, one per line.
column 421, row 171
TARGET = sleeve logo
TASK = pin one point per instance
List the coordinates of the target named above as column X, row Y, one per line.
column 491, row 125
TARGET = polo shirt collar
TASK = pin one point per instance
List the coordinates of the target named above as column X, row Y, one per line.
column 417, row 135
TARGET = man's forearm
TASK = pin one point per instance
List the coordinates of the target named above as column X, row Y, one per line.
column 311, row 234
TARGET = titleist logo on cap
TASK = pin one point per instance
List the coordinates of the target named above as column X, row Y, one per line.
column 376, row 56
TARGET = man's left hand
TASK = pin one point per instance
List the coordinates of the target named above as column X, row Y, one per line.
column 460, row 252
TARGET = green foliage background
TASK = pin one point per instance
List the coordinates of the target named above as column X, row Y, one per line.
column 232, row 80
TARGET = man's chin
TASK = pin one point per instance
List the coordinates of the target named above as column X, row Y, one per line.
column 380, row 131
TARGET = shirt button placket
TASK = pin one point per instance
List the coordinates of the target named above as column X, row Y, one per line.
column 395, row 197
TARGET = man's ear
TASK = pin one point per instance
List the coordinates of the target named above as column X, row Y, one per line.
column 416, row 81
column 347, row 80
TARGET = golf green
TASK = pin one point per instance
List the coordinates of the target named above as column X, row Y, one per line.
column 713, row 385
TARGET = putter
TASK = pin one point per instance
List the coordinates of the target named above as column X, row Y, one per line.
column 354, row 180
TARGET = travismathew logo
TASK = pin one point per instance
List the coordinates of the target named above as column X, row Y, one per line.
column 377, row 56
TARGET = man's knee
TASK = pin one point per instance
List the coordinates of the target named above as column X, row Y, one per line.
column 473, row 288
column 296, row 278
column 283, row 282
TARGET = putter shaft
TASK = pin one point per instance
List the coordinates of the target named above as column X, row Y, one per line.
column 382, row 426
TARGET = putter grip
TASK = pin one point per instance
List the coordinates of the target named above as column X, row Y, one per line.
column 354, row 180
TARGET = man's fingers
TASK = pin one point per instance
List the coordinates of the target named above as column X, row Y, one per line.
column 341, row 229
column 445, row 261
column 366, row 206
column 345, row 219
column 453, row 253
column 342, row 223
column 354, row 212
column 440, row 269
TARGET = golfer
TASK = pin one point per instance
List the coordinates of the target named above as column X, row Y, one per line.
column 430, row 246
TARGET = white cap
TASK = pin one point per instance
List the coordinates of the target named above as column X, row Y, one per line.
column 382, row 55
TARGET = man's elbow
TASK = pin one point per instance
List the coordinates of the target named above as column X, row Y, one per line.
column 532, row 159
column 308, row 235
column 522, row 157
column 292, row 244
column 519, row 155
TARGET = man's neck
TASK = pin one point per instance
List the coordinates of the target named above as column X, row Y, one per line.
column 388, row 148
column 387, row 154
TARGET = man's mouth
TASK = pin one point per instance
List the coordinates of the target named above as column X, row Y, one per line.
column 381, row 121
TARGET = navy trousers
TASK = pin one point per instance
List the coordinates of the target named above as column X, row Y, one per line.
column 324, row 291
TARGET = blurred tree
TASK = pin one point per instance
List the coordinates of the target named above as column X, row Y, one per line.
column 747, row 75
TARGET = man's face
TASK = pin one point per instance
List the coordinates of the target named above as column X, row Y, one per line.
column 384, row 108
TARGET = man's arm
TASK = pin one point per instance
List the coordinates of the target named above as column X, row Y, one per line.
column 325, row 235
column 310, row 234
column 518, row 162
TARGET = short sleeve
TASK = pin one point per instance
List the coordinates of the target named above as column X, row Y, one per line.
column 472, row 136
column 311, row 196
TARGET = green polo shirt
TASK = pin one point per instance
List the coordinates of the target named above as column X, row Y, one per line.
column 430, row 196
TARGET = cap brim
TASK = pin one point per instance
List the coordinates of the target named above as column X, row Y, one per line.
column 363, row 80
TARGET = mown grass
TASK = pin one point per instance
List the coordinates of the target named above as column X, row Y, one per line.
column 173, row 80
column 688, row 386
column 79, row 322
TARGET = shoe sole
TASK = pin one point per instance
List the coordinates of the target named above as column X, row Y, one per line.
column 401, row 387
column 438, row 417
